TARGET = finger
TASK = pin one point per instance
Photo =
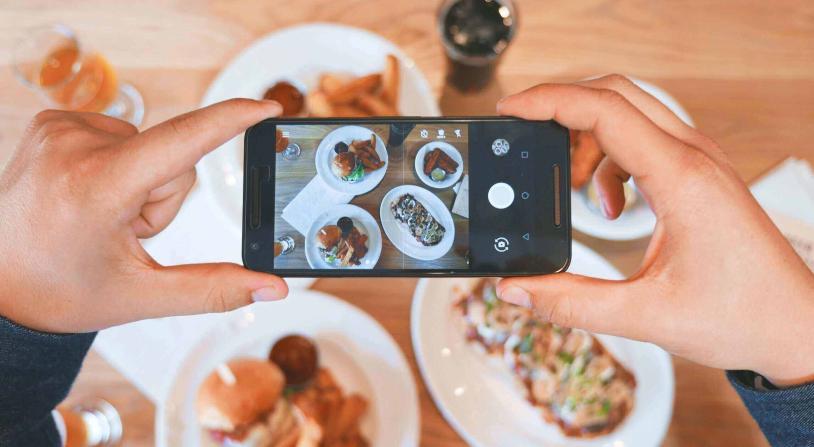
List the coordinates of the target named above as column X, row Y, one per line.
column 576, row 301
column 626, row 135
column 106, row 123
column 162, row 206
column 161, row 153
column 609, row 181
column 206, row 288
column 657, row 111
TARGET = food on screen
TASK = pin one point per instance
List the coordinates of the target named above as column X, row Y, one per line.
column 286, row 401
column 417, row 220
column 437, row 165
column 566, row 373
column 342, row 244
column 352, row 161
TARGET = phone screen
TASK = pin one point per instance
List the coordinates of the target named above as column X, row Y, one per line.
column 370, row 197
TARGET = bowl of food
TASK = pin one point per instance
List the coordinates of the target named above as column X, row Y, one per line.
column 351, row 159
column 311, row 371
column 439, row 164
column 417, row 222
column 345, row 236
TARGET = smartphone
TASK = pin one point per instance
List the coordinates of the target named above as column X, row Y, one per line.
column 407, row 196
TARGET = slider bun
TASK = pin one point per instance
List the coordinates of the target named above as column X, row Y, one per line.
column 328, row 236
column 343, row 164
column 259, row 385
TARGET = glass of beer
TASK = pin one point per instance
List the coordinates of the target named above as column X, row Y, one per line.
column 93, row 424
column 284, row 245
column 52, row 62
column 475, row 33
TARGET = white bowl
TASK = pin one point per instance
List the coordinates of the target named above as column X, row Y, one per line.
column 450, row 150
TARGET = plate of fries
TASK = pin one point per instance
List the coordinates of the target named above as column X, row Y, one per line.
column 342, row 72
column 367, row 152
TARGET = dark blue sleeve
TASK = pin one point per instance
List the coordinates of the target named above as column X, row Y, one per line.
column 36, row 373
column 786, row 416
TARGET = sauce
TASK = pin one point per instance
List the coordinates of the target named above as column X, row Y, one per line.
column 289, row 96
column 91, row 88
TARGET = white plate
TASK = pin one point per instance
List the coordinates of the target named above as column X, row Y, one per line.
column 484, row 404
column 325, row 156
column 398, row 233
column 363, row 357
column 363, row 221
column 299, row 54
column 637, row 222
column 451, row 151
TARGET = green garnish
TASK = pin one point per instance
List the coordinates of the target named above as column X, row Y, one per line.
column 490, row 305
column 565, row 357
column 606, row 407
column 526, row 344
column 355, row 175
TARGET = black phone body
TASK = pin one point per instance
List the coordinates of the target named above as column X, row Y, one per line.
column 495, row 201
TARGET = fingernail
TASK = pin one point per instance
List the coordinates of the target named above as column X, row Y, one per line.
column 516, row 296
column 272, row 102
column 267, row 294
column 605, row 210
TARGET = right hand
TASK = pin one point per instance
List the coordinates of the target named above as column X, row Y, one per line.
column 718, row 284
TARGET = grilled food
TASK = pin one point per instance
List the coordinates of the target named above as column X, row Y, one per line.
column 418, row 220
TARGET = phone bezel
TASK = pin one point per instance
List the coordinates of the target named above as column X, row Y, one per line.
column 565, row 201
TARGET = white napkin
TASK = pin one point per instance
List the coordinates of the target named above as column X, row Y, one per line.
column 461, row 205
column 312, row 201
column 149, row 352
column 787, row 194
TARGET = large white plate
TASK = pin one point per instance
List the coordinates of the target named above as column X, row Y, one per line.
column 300, row 54
column 363, row 357
column 480, row 398
column 450, row 150
column 637, row 222
column 398, row 233
column 325, row 156
column 363, row 221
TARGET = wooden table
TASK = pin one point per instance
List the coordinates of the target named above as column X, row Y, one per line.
column 744, row 70
column 293, row 175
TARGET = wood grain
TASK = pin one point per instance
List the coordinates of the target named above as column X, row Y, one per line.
column 744, row 70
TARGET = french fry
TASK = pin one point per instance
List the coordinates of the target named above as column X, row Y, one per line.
column 351, row 90
column 349, row 111
column 375, row 105
column 390, row 81
column 346, row 418
column 319, row 105
column 330, row 83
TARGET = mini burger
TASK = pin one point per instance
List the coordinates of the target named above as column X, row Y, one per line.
column 347, row 167
column 241, row 404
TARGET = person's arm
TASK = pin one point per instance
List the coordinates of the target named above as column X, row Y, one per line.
column 718, row 284
column 37, row 370
column 75, row 198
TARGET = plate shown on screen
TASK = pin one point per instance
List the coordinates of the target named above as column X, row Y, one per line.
column 398, row 234
column 325, row 156
column 359, row 352
column 480, row 398
column 636, row 222
column 363, row 221
column 298, row 54
column 448, row 149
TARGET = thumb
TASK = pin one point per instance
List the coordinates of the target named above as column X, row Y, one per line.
column 206, row 288
column 575, row 301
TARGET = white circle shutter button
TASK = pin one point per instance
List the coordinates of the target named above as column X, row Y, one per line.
column 501, row 195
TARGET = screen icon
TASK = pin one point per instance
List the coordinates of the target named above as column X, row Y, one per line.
column 500, row 147
column 441, row 134
column 524, row 154
column 424, row 133
column 527, row 237
column 524, row 195
column 501, row 244
column 458, row 133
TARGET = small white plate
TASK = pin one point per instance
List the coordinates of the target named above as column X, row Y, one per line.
column 360, row 353
column 298, row 54
column 486, row 406
column 325, row 156
column 636, row 222
column 398, row 233
column 363, row 221
column 450, row 150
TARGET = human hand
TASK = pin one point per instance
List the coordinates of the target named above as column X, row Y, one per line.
column 81, row 190
column 718, row 284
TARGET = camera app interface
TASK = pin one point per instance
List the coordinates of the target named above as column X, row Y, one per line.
column 383, row 196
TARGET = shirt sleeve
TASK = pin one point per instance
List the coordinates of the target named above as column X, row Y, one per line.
column 786, row 416
column 37, row 370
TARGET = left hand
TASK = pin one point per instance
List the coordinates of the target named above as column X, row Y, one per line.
column 76, row 197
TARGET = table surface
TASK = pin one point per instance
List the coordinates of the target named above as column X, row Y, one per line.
column 744, row 71
column 293, row 175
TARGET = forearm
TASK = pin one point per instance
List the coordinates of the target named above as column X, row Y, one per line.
column 36, row 371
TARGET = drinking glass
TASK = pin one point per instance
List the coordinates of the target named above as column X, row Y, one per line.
column 91, row 424
column 283, row 246
column 51, row 61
